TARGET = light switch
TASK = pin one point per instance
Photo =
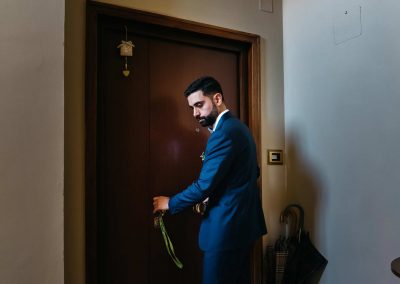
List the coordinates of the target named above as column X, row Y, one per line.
column 266, row 5
column 275, row 157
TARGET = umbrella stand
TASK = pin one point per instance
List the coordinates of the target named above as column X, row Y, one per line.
column 277, row 254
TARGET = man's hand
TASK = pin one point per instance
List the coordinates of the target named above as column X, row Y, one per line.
column 160, row 203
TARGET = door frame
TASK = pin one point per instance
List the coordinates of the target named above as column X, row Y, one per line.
column 249, row 81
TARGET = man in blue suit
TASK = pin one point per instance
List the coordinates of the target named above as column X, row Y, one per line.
column 233, row 219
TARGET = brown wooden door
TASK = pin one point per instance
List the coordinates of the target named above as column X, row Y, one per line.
column 149, row 144
column 142, row 141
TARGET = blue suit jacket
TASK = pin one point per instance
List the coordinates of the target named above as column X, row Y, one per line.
column 234, row 217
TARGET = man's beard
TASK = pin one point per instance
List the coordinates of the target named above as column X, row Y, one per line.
column 210, row 119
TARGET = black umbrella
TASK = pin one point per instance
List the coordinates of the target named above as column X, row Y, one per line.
column 303, row 259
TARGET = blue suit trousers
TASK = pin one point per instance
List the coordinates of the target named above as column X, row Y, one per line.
column 227, row 267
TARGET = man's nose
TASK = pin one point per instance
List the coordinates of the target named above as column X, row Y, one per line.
column 195, row 112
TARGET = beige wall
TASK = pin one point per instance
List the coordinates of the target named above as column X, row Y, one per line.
column 243, row 15
column 31, row 143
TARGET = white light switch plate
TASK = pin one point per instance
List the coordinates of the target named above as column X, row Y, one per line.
column 266, row 5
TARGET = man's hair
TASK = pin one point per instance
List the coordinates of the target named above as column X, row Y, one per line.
column 207, row 84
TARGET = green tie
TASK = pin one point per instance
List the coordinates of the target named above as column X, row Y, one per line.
column 159, row 223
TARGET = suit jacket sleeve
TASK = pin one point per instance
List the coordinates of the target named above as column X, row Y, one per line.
column 218, row 159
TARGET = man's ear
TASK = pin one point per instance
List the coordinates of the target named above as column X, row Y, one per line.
column 217, row 98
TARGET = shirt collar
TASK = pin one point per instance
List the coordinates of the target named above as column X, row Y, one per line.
column 216, row 121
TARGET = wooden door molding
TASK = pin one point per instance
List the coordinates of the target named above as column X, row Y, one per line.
column 198, row 33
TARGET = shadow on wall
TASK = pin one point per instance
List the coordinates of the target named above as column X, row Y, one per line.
column 304, row 187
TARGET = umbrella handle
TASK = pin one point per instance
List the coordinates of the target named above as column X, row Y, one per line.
column 288, row 211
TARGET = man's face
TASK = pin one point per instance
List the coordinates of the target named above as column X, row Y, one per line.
column 204, row 109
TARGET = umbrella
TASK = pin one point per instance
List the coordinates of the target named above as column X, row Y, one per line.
column 303, row 259
column 277, row 254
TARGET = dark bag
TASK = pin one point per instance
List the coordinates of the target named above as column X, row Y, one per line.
column 303, row 260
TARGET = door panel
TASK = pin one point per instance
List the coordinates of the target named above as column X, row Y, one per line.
column 149, row 144
column 176, row 143
column 123, row 152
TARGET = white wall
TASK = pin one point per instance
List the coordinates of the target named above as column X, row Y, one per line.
column 31, row 143
column 342, row 124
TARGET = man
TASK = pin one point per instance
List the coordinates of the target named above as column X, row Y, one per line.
column 233, row 219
